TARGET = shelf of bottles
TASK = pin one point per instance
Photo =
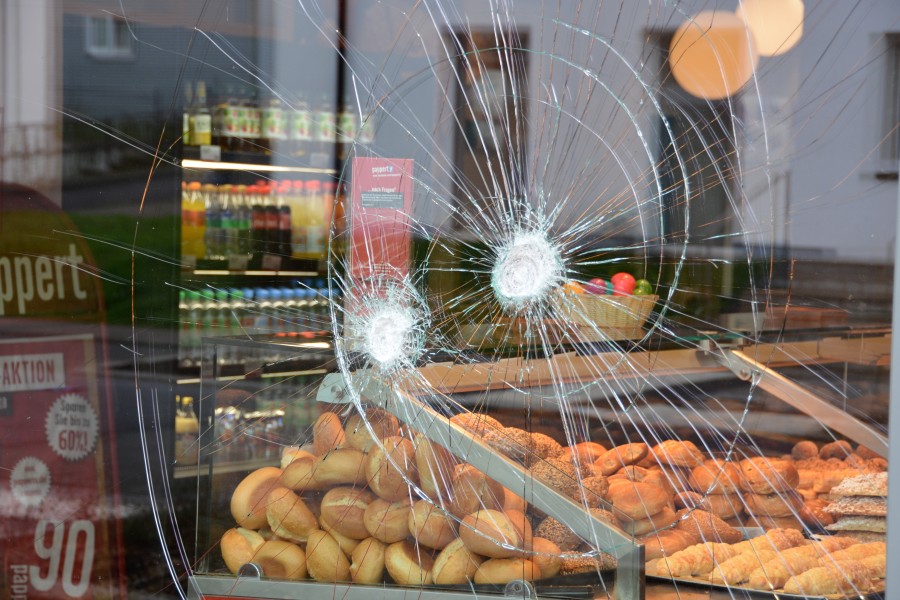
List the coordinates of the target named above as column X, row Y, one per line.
column 296, row 312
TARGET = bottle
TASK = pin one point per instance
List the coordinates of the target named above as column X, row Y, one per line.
column 258, row 220
column 329, row 200
column 301, row 131
column 195, row 330
column 274, row 126
column 228, row 232
column 248, row 315
column 200, row 120
column 210, row 318
column 261, row 325
column 326, row 126
column 186, row 116
column 271, row 211
column 276, row 312
column 284, row 233
column 254, row 132
column 213, row 235
column 187, row 431
column 315, row 219
column 184, row 330
column 297, row 200
column 193, row 222
column 226, row 122
column 243, row 216
column 346, row 131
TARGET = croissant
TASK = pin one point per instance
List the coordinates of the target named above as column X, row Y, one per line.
column 773, row 539
column 694, row 560
column 875, row 564
column 841, row 578
column 738, row 568
column 774, row 574
column 858, row 551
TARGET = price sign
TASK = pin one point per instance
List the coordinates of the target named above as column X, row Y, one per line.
column 56, row 510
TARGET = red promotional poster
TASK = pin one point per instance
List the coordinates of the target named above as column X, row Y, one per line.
column 381, row 201
column 54, row 516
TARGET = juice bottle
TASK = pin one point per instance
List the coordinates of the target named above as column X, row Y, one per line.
column 297, row 201
column 315, row 218
column 193, row 225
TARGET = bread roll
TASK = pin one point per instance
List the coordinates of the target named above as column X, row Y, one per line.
column 678, row 453
column 620, row 456
column 724, row 506
column 637, row 500
column 500, row 571
column 324, row 559
column 346, row 544
column 475, row 423
column 512, row 442
column 387, row 521
column 473, row 490
column 490, row 533
column 367, row 562
column 239, row 546
column 430, row 525
column 390, row 468
column 455, row 564
column 551, row 529
column 343, row 509
column 558, row 474
column 435, row 467
column 785, row 504
column 281, row 560
column 359, row 436
column 706, row 527
column 544, row 446
column 839, row 449
column 344, row 466
column 585, row 453
column 248, row 502
column 291, row 453
column 641, row 527
column 298, row 474
column 512, row 501
column 804, row 450
column 409, row 564
column 666, row 543
column 288, row 515
column 716, row 476
column 763, row 475
column 523, row 526
column 328, row 433
column 546, row 555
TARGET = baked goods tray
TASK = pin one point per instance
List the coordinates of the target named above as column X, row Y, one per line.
column 737, row 591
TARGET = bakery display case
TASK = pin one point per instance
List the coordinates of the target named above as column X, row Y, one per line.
column 355, row 485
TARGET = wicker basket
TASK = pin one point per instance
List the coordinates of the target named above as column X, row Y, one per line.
column 608, row 317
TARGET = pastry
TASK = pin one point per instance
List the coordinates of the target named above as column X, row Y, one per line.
column 328, row 433
column 544, row 446
column 546, row 555
column 592, row 492
column 784, row 504
column 556, row 473
column 677, row 453
column 804, row 449
column 586, row 563
column 344, row 466
column 476, row 423
column 858, row 523
column 239, row 546
column 248, row 501
column 559, row 534
column 664, row 518
column 455, row 564
column 858, row 551
column 390, row 468
column 490, row 533
column 848, row 577
column 868, row 484
column 324, row 559
column 870, row 506
column 512, row 442
column 696, row 560
column 620, row 456
column 666, row 543
column 358, row 435
column 408, row 563
column 367, row 562
column 584, row 453
column 387, row 521
column 716, row 476
column 430, row 525
column 288, row 515
column 343, row 508
column 839, row 449
column 281, row 560
column 706, row 526
column 637, row 500
column 435, row 468
column 763, row 475
column 472, row 490
column 500, row 571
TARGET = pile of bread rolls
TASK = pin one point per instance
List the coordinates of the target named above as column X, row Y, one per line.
column 348, row 507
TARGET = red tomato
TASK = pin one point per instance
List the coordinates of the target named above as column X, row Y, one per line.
column 623, row 284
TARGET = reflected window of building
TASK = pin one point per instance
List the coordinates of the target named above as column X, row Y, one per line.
column 108, row 37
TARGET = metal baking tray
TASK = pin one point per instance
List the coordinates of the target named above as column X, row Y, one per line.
column 730, row 590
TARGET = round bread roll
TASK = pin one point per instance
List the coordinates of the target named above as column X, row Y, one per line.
column 724, row 506
column 281, row 560
column 866, row 454
column 636, row 499
column 343, row 509
column 666, row 543
column 387, row 521
column 346, row 544
column 490, row 533
column 430, row 525
column 641, row 527
column 391, row 468
column 544, row 446
column 620, row 456
column 512, row 442
column 716, row 476
column 324, row 559
column 435, row 467
column 475, row 423
column 564, row 538
column 298, row 474
column 523, row 526
column 328, row 433
column 706, row 526
column 592, row 492
column 785, row 504
column 344, row 466
column 408, row 564
column 239, row 546
column 585, row 453
column 840, row 449
column 630, row 473
column 804, row 450
column 678, row 453
column 768, row 523
column 558, row 474
column 291, row 453
column 763, row 475
column 367, row 562
column 288, row 515
column 473, row 490
column 359, row 436
column 546, row 555
column 512, row 501
column 248, row 502
column 500, row 571
column 455, row 564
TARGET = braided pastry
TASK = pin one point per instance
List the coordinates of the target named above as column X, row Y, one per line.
column 840, row 578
